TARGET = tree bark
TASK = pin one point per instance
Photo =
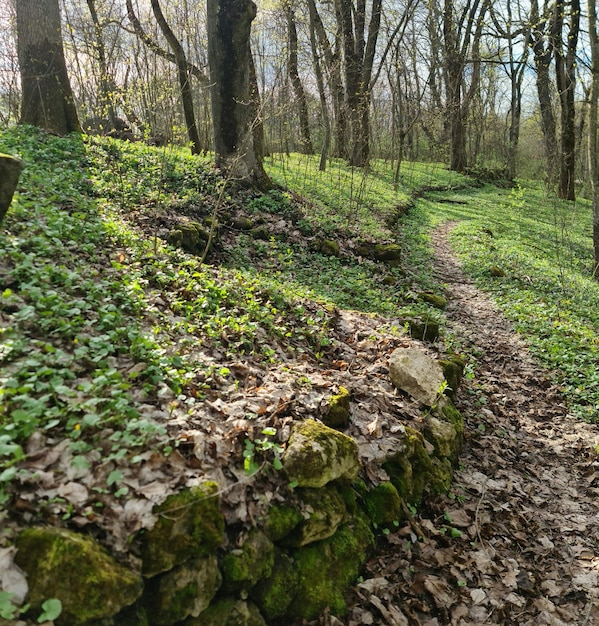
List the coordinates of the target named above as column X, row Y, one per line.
column 10, row 170
column 542, row 58
column 565, row 78
column 296, row 83
column 593, row 129
column 229, row 24
column 47, row 95
column 184, row 78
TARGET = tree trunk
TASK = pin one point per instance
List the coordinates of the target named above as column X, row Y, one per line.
column 10, row 170
column 184, row 78
column 296, row 83
column 47, row 95
column 324, row 111
column 565, row 76
column 542, row 58
column 594, row 130
column 229, row 24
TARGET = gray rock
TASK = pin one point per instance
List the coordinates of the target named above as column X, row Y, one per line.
column 416, row 373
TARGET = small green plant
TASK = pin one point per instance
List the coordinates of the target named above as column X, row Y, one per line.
column 269, row 450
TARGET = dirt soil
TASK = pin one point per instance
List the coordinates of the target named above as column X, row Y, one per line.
column 516, row 542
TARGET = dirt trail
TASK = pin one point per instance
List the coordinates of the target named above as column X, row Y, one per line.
column 518, row 540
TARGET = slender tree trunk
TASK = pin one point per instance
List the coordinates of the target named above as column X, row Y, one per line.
column 184, row 78
column 565, row 74
column 542, row 58
column 296, row 83
column 229, row 24
column 324, row 110
column 47, row 95
column 593, row 129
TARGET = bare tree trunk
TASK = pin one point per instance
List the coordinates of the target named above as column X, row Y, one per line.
column 296, row 83
column 324, row 111
column 565, row 77
column 542, row 57
column 593, row 129
column 229, row 24
column 184, row 78
column 47, row 95
column 332, row 64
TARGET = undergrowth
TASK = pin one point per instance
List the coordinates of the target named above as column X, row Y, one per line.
column 544, row 247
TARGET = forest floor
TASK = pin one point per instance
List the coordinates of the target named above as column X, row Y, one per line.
column 516, row 541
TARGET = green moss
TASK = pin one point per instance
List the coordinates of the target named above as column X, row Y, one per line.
column 440, row 476
column 422, row 328
column 76, row 570
column 453, row 416
column 328, row 567
column 242, row 568
column 190, row 525
column 325, row 510
column 383, row 504
column 410, row 470
column 387, row 252
column 228, row 612
column 329, row 248
column 435, row 300
column 317, row 455
column 274, row 594
column 281, row 520
column 453, row 370
column 339, row 409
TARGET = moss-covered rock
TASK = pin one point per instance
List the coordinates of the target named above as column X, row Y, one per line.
column 274, row 594
column 242, row 222
column 452, row 415
column 317, row 455
column 191, row 236
column 410, row 470
column 228, row 612
column 252, row 560
column 261, row 233
column 329, row 247
column 453, row 370
column 383, row 504
column 339, row 409
column 281, row 520
column 327, row 568
column 423, row 328
column 189, row 525
column 184, row 591
column 444, row 438
column 440, row 476
column 435, row 300
column 62, row 564
column 387, row 252
column 325, row 510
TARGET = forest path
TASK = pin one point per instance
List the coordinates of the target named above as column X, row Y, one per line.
column 517, row 541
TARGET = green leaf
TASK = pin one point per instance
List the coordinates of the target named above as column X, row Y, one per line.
column 51, row 610
column 114, row 477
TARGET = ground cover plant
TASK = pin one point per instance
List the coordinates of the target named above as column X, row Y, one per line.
column 533, row 253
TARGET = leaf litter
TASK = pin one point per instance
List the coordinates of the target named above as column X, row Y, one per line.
column 513, row 543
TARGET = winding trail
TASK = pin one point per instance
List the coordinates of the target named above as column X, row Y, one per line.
column 517, row 542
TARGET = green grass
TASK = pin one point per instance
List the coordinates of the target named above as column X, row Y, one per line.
column 99, row 318
column 544, row 246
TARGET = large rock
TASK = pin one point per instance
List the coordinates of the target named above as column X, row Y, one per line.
column 244, row 566
column 90, row 583
column 416, row 373
column 185, row 591
column 325, row 510
column 228, row 612
column 274, row 594
column 190, row 525
column 327, row 568
column 317, row 454
column 10, row 170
